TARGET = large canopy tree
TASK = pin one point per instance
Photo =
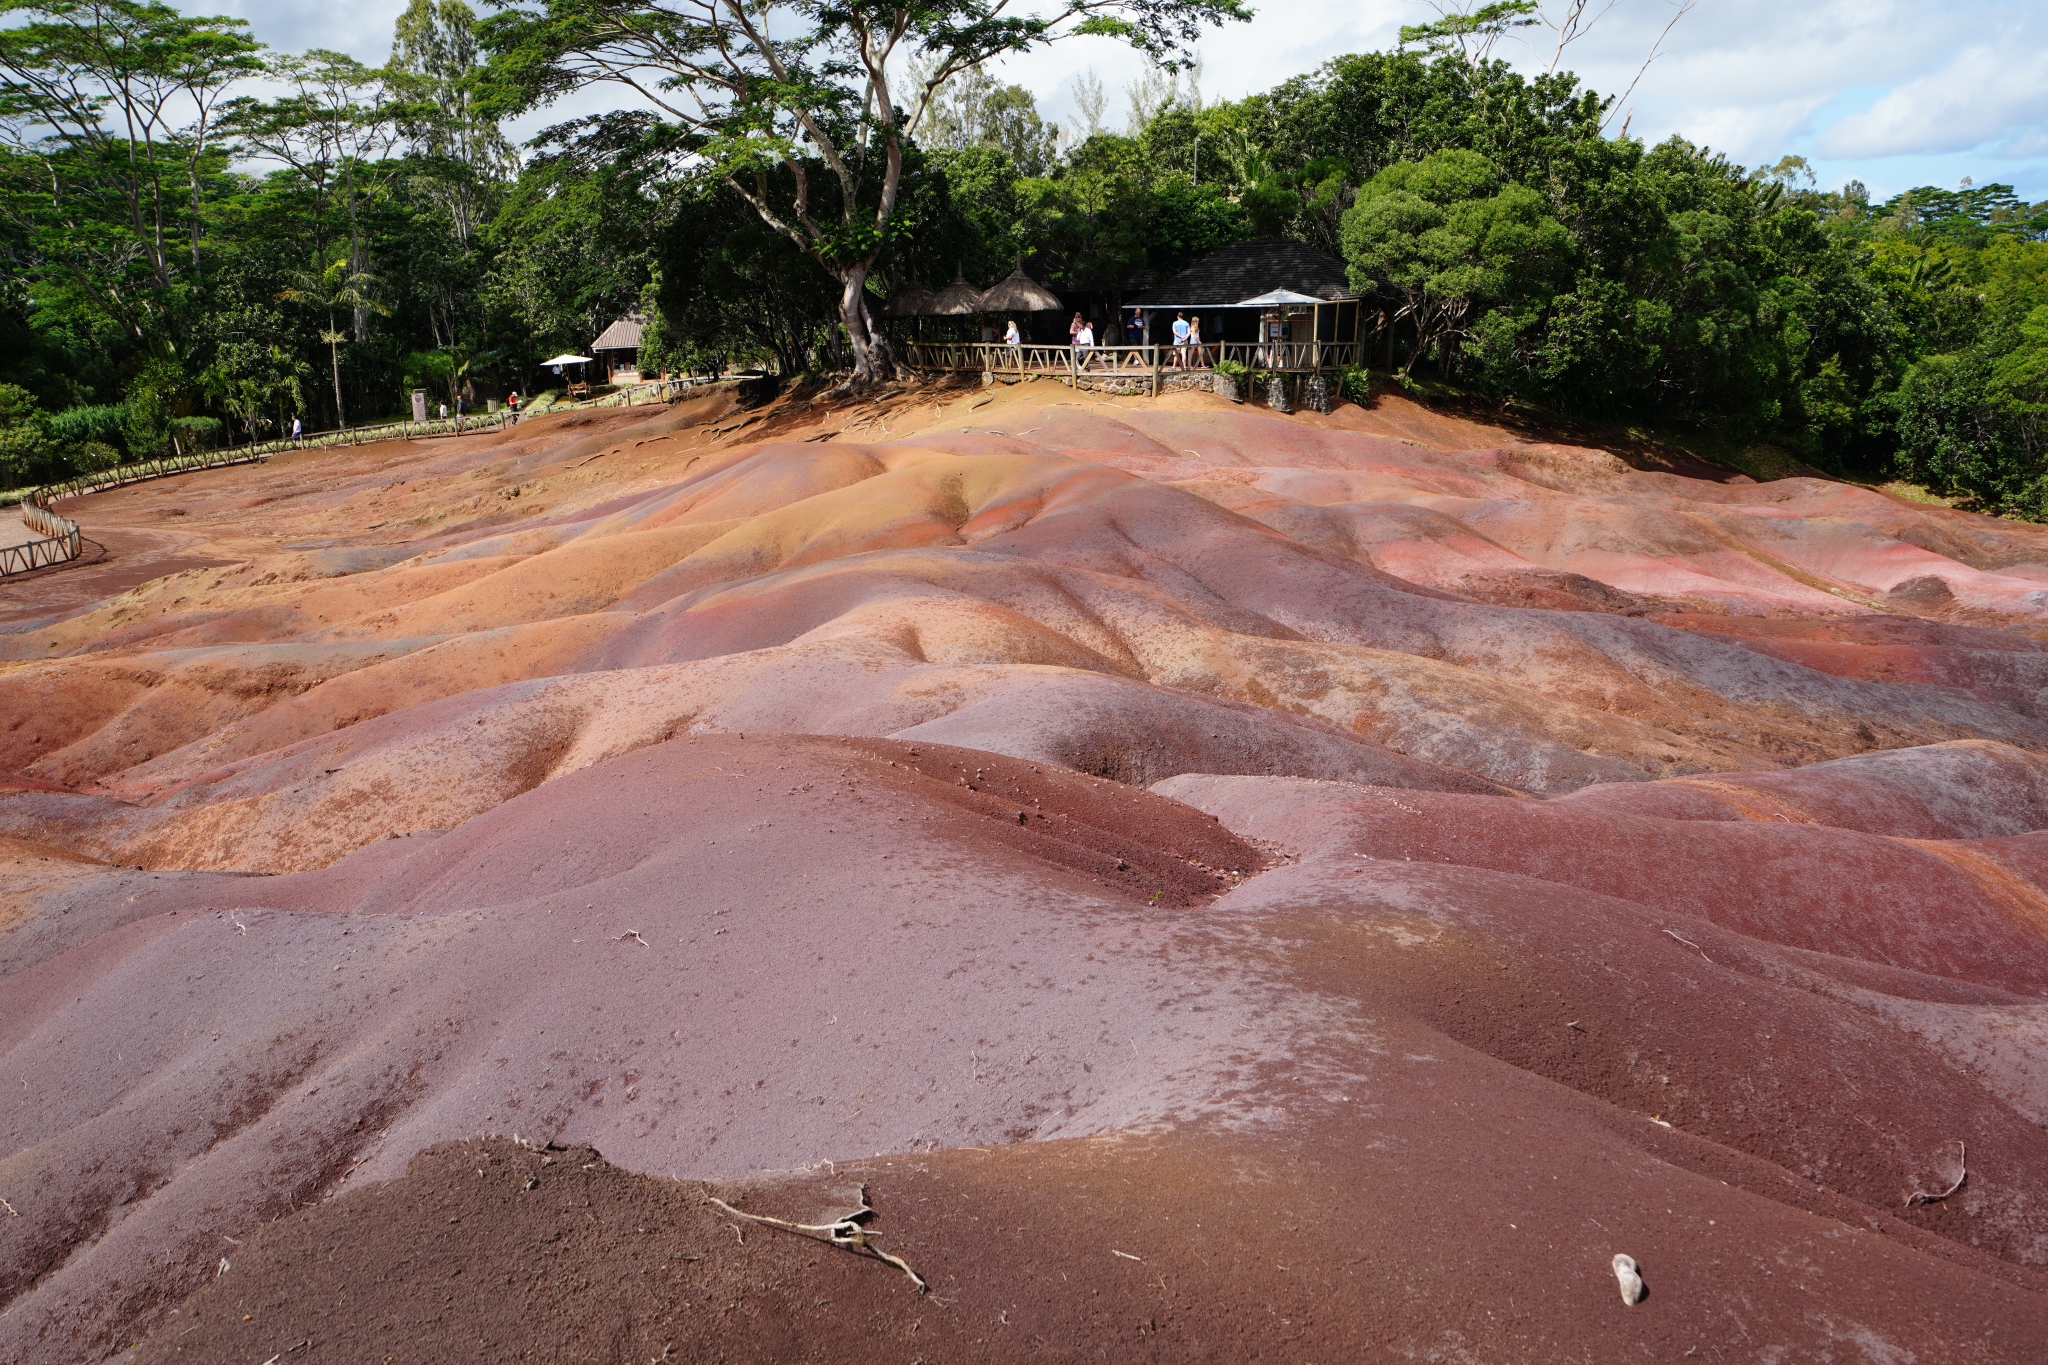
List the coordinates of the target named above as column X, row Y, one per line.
column 818, row 90
column 110, row 108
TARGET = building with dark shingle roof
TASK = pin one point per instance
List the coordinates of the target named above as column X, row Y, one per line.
column 1245, row 270
column 617, row 348
column 1278, row 294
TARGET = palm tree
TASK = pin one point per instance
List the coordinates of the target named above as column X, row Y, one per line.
column 331, row 288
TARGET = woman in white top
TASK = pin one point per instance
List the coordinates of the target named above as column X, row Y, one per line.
column 1195, row 343
column 1083, row 341
column 1013, row 338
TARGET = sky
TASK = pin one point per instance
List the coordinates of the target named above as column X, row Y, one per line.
column 1891, row 93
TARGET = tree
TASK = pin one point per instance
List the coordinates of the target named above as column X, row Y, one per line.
column 24, row 434
column 434, row 69
column 329, row 287
column 114, row 103
column 972, row 110
column 808, row 88
column 333, row 130
column 1446, row 235
column 1472, row 34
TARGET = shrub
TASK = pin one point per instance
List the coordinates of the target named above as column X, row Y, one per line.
column 90, row 457
column 197, row 433
column 100, row 422
column 1235, row 369
column 24, row 434
column 148, row 426
column 1354, row 385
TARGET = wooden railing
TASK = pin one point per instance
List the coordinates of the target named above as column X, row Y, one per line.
column 60, row 542
column 647, row 391
column 1296, row 357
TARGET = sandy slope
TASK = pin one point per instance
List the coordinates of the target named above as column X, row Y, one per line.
column 1545, row 857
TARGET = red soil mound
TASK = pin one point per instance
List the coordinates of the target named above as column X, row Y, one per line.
column 737, row 807
column 1170, row 1248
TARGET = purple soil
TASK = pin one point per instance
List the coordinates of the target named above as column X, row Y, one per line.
column 1174, row 1247
column 1366, row 870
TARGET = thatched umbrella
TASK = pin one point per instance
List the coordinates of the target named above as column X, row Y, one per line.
column 1019, row 293
column 958, row 299
column 911, row 301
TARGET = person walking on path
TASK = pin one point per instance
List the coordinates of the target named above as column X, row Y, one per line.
column 298, row 432
column 461, row 407
column 512, row 402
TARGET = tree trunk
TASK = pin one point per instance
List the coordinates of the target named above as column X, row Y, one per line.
column 334, row 352
column 873, row 362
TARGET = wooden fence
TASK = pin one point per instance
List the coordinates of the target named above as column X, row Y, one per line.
column 1080, row 362
column 60, row 542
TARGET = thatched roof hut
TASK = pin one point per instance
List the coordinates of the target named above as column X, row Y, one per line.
column 911, row 301
column 958, row 299
column 1019, row 293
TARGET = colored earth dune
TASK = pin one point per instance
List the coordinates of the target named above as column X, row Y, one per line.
column 1188, row 883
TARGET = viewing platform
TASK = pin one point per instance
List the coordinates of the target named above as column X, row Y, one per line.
column 1156, row 369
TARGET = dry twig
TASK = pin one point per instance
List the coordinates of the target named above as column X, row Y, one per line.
column 1690, row 944
column 1962, row 1160
column 12, row 1212
column 634, row 934
column 842, row 1232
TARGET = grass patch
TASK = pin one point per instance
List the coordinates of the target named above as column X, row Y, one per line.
column 1913, row 492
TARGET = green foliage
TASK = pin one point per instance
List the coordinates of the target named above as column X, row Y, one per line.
column 787, row 105
column 24, row 434
column 1975, row 422
column 1447, row 236
column 198, row 433
column 90, row 457
column 1354, row 385
column 391, row 238
column 146, row 429
column 102, row 422
column 1234, row 369
column 1472, row 34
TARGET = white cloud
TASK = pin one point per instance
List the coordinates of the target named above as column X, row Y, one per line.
column 1984, row 94
column 1931, row 99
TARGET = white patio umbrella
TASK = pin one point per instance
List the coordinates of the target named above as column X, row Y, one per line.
column 559, row 361
column 1277, row 298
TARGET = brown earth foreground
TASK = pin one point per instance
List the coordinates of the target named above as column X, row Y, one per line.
column 1219, row 886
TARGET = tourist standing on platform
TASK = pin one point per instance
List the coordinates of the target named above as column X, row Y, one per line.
column 461, row 407
column 298, row 432
column 1013, row 338
column 512, row 402
column 1084, row 341
column 1195, row 343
